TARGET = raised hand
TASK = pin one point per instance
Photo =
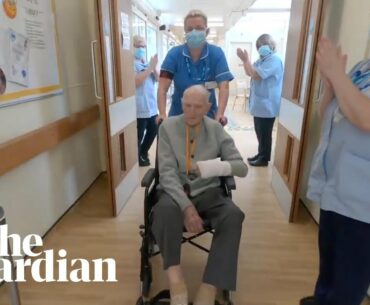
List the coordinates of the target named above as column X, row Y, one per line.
column 153, row 62
column 242, row 54
column 330, row 59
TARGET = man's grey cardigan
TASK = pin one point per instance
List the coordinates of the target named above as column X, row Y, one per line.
column 212, row 142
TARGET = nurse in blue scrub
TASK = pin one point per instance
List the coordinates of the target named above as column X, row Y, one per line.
column 146, row 105
column 195, row 62
column 340, row 181
column 265, row 96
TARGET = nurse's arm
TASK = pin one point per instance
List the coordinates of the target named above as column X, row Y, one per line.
column 163, row 86
column 156, row 75
column 141, row 77
column 326, row 97
column 250, row 70
column 352, row 102
column 223, row 97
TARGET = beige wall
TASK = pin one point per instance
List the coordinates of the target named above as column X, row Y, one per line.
column 354, row 29
column 38, row 192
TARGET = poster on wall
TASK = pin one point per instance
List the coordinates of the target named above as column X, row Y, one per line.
column 28, row 55
column 125, row 31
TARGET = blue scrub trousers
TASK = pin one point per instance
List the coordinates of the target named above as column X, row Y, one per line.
column 147, row 129
column 344, row 246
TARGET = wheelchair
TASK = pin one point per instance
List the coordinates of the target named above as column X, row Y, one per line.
column 148, row 246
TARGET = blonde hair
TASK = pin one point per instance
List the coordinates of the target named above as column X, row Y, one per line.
column 138, row 39
column 196, row 13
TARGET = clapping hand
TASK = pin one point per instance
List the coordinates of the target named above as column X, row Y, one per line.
column 331, row 60
column 242, row 54
column 153, row 62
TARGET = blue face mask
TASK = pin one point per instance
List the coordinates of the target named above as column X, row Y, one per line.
column 195, row 39
column 264, row 50
column 140, row 53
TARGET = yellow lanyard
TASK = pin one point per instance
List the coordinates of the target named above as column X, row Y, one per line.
column 190, row 147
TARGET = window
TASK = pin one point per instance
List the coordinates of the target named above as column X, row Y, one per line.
column 138, row 27
column 151, row 43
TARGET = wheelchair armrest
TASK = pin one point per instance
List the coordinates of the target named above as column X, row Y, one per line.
column 148, row 178
column 229, row 182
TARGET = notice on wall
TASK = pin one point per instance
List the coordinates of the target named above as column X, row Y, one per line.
column 28, row 55
column 125, row 31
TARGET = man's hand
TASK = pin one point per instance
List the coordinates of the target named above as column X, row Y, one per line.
column 242, row 54
column 193, row 223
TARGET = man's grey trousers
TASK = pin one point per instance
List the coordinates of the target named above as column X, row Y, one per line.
column 226, row 219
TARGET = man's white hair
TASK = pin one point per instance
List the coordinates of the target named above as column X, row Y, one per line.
column 198, row 89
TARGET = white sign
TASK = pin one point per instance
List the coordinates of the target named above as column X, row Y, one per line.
column 28, row 56
column 47, row 266
column 125, row 31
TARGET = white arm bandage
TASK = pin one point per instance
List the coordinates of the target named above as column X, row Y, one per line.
column 214, row 168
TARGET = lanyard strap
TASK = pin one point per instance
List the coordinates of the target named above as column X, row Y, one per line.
column 203, row 75
column 190, row 147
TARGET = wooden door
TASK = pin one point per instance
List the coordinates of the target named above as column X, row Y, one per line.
column 304, row 29
column 119, row 105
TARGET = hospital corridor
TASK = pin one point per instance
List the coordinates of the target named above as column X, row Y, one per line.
column 120, row 117
column 277, row 265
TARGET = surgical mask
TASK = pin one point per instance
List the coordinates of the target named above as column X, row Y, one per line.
column 264, row 50
column 195, row 39
column 140, row 53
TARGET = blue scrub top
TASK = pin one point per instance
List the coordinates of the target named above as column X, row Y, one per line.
column 265, row 94
column 340, row 172
column 146, row 101
column 211, row 67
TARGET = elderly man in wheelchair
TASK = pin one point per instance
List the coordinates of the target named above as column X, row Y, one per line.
column 193, row 152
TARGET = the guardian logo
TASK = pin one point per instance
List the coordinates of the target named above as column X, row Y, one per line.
column 50, row 267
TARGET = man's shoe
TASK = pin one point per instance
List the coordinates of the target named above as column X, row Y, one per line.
column 143, row 162
column 254, row 158
column 308, row 301
column 259, row 162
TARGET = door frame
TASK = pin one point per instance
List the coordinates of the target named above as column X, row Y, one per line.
column 118, row 105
